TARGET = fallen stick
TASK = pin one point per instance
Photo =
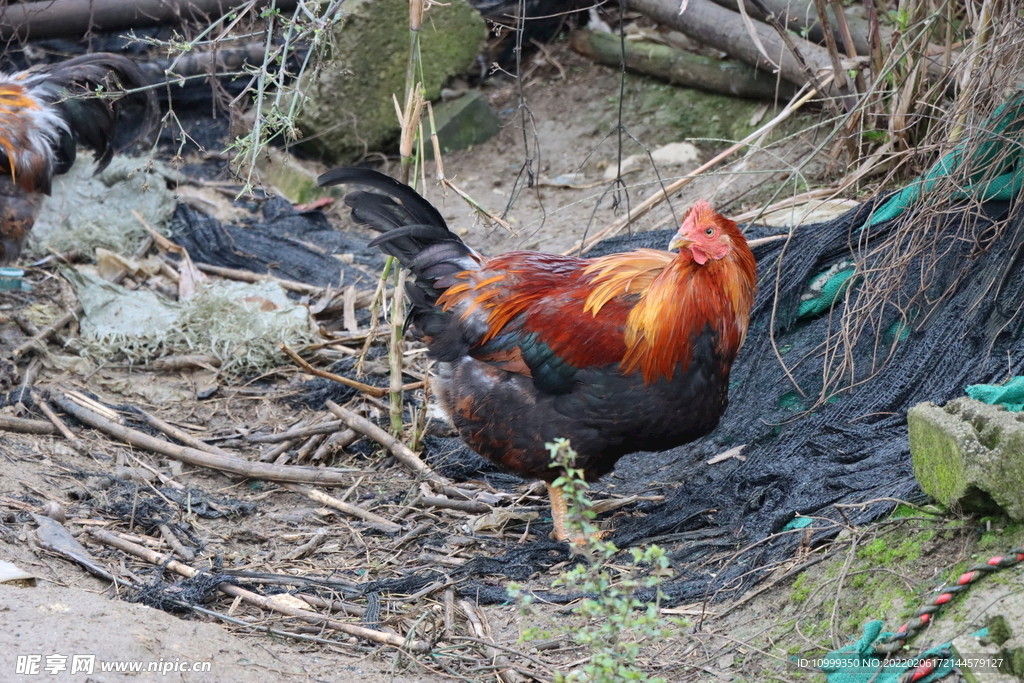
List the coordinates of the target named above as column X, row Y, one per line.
column 333, row 605
column 277, row 605
column 249, row 276
column 349, row 509
column 36, row 342
column 184, row 553
column 184, row 437
column 472, row 506
column 24, row 426
column 376, row 392
column 272, row 454
column 315, row 541
column 335, row 441
column 65, row 431
column 295, row 434
column 325, row 476
column 311, row 445
column 397, row 448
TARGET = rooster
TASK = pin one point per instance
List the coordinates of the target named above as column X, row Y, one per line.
column 45, row 113
column 622, row 353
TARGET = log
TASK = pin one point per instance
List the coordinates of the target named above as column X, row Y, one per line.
column 801, row 17
column 679, row 67
column 53, row 18
column 722, row 29
column 24, row 426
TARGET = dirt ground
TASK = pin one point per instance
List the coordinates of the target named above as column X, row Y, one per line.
column 571, row 130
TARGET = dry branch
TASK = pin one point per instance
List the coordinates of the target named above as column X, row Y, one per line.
column 37, row 342
column 183, row 437
column 472, row 506
column 294, row 434
column 23, row 426
column 398, row 449
column 249, row 276
column 679, row 67
column 376, row 392
column 349, row 509
column 254, row 599
column 192, row 456
column 69, row 435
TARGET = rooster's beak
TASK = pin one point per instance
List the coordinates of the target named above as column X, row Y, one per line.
column 679, row 242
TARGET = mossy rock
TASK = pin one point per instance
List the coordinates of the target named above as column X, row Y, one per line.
column 970, row 454
column 348, row 108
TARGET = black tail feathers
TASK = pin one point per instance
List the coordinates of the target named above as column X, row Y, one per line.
column 104, row 124
column 413, row 231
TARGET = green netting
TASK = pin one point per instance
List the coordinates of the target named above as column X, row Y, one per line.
column 831, row 288
column 858, row 662
column 991, row 163
column 1010, row 394
column 993, row 153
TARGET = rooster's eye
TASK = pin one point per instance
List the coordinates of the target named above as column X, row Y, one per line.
column 709, row 232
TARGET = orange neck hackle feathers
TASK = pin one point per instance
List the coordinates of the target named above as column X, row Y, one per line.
column 710, row 283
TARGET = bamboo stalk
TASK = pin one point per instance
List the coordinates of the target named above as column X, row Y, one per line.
column 395, row 350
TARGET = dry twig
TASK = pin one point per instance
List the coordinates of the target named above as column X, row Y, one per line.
column 398, row 449
column 376, row 392
column 349, row 509
column 194, row 456
column 36, row 343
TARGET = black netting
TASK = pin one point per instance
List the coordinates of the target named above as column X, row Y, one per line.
column 177, row 597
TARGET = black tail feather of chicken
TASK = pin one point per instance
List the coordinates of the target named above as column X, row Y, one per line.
column 415, row 233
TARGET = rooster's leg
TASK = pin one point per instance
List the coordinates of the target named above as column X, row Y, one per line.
column 559, row 513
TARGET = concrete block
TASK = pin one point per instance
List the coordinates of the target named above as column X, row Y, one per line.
column 970, row 454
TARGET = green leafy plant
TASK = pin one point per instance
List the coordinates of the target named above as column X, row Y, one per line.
column 615, row 620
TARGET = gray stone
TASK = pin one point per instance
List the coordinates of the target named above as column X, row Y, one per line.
column 348, row 110
column 464, row 122
column 969, row 454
